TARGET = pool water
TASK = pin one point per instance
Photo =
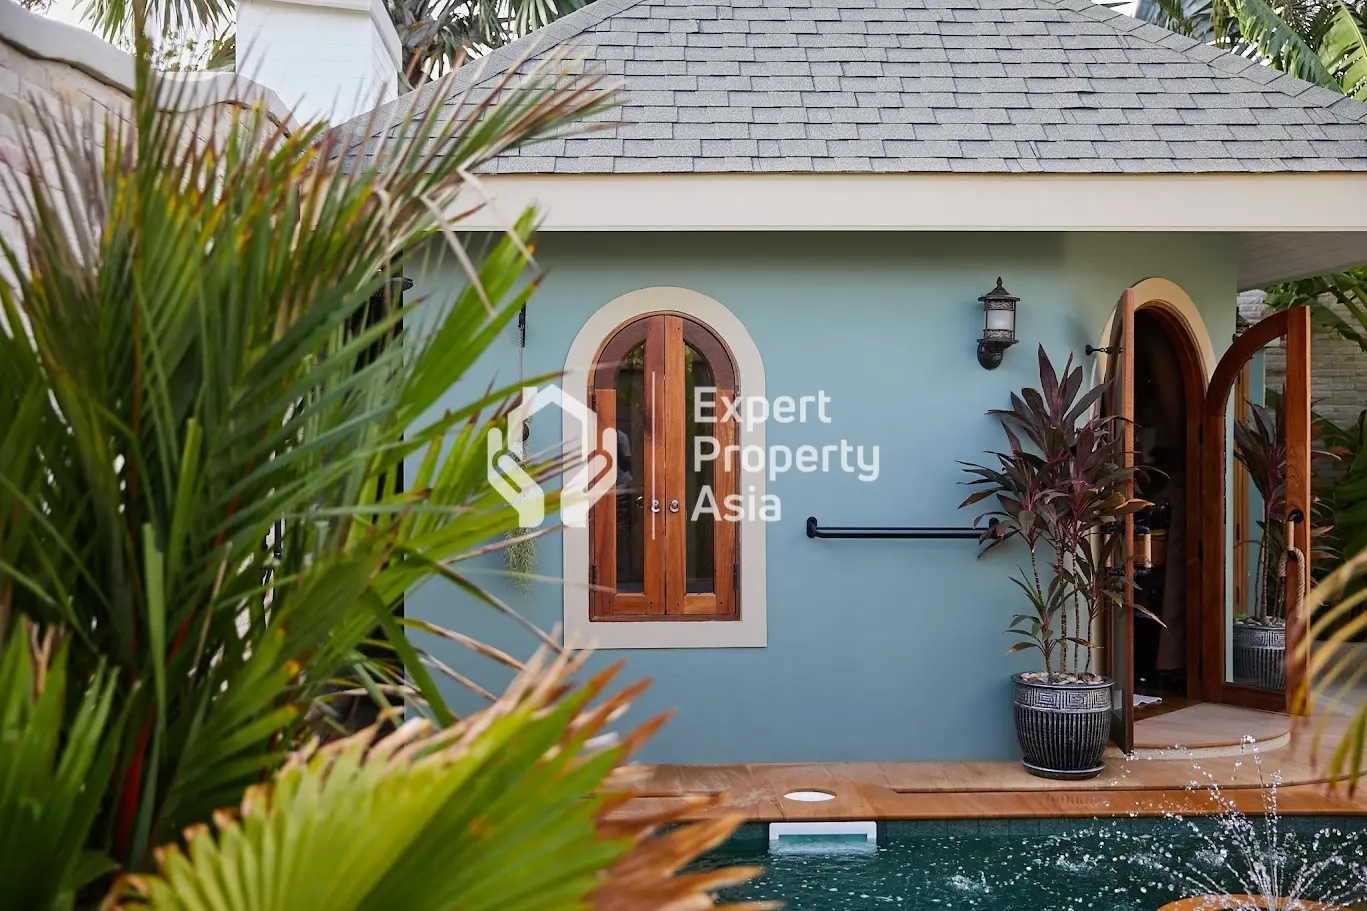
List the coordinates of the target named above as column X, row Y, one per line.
column 1034, row 865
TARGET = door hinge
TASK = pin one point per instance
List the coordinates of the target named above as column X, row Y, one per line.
column 1200, row 434
column 735, row 576
column 593, row 575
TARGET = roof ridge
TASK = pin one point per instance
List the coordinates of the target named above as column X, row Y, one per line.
column 492, row 65
column 1225, row 64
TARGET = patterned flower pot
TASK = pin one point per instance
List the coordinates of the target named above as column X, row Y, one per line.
column 1260, row 656
column 1063, row 727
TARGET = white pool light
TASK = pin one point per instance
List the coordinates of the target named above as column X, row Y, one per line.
column 809, row 796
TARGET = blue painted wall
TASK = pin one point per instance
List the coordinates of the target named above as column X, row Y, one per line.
column 878, row 650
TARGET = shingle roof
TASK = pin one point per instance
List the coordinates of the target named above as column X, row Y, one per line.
column 895, row 86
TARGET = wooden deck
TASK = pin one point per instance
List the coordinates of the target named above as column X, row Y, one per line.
column 1003, row 790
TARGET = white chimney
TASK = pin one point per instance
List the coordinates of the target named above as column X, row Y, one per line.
column 326, row 59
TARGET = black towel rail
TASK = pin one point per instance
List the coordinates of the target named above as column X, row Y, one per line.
column 814, row 530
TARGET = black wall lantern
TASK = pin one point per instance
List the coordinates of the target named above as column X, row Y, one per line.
column 999, row 326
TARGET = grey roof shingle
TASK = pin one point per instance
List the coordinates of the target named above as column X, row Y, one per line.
column 900, row 86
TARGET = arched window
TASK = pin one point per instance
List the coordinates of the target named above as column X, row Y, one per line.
column 662, row 547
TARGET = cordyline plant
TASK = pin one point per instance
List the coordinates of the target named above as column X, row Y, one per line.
column 1058, row 486
column 206, row 395
column 1260, row 447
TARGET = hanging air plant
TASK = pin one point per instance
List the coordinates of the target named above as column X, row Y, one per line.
column 520, row 553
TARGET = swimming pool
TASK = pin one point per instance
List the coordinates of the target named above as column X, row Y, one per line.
column 1037, row 865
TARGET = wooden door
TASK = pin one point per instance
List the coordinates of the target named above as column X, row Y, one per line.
column 662, row 547
column 1120, row 638
column 627, row 568
column 1281, row 338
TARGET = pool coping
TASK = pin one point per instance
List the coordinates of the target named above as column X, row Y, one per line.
column 1003, row 790
column 758, row 832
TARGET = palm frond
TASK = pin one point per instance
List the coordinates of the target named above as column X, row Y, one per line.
column 1343, row 50
column 512, row 808
column 1278, row 42
column 1334, row 672
column 207, row 389
column 54, row 769
column 1193, row 18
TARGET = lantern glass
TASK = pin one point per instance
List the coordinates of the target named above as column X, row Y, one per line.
column 999, row 326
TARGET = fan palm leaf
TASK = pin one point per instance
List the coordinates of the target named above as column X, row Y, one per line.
column 513, row 808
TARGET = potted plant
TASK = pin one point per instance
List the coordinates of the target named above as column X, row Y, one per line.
column 1260, row 634
column 1058, row 488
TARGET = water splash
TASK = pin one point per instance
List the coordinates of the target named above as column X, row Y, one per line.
column 1270, row 858
column 1237, row 853
column 1136, row 862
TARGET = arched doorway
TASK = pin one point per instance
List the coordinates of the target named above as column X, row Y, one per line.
column 1169, row 391
column 1181, row 407
column 1157, row 355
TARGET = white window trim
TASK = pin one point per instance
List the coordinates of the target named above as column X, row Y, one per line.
column 751, row 630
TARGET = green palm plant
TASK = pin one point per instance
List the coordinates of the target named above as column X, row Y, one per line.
column 208, row 389
column 1320, row 41
column 1346, row 289
column 439, row 35
column 1335, row 673
column 56, row 756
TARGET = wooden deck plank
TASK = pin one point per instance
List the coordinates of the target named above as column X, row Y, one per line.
column 1003, row 790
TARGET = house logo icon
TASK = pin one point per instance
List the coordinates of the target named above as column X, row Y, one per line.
column 594, row 467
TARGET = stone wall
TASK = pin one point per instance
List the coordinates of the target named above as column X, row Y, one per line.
column 52, row 66
column 1339, row 377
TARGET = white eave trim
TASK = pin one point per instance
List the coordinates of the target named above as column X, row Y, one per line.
column 928, row 202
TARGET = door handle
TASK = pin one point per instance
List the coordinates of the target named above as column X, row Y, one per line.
column 654, row 505
column 673, row 505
